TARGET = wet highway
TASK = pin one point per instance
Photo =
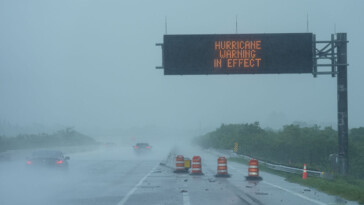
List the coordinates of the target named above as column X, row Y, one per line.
column 117, row 177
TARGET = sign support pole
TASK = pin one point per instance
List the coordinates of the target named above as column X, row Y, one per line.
column 338, row 67
column 342, row 97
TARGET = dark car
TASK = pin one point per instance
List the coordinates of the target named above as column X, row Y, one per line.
column 142, row 147
column 48, row 158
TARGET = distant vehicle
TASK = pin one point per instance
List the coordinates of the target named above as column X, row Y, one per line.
column 142, row 147
column 48, row 158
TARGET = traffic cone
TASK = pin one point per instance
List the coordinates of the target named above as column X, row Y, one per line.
column 304, row 175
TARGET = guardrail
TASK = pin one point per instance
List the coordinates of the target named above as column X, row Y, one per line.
column 170, row 160
column 276, row 167
column 291, row 169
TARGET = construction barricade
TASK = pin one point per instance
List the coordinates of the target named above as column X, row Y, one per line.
column 196, row 166
column 180, row 164
column 222, row 167
column 253, row 170
column 187, row 163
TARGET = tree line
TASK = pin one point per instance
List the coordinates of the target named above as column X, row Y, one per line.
column 64, row 137
column 292, row 145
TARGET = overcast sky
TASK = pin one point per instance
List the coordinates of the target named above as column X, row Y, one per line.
column 91, row 64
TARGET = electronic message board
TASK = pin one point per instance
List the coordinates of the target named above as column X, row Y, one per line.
column 238, row 54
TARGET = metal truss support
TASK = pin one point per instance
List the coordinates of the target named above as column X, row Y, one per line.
column 161, row 45
column 325, row 56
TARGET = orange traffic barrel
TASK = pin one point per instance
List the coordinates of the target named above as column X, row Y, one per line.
column 196, row 168
column 304, row 175
column 222, row 167
column 253, row 170
column 180, row 164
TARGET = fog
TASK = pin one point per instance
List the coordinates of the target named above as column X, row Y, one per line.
column 96, row 174
column 91, row 65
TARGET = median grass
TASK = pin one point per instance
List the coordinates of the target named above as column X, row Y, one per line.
column 346, row 187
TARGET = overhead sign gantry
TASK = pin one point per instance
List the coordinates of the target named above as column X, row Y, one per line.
column 282, row 53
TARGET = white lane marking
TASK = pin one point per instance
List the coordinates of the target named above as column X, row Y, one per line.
column 185, row 195
column 186, row 198
column 291, row 192
column 131, row 192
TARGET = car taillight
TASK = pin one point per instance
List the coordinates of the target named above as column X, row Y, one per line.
column 29, row 162
column 59, row 162
column 147, row 147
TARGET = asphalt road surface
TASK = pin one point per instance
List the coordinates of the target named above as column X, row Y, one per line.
column 116, row 176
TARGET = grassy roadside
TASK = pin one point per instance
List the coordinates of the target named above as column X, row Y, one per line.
column 345, row 187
